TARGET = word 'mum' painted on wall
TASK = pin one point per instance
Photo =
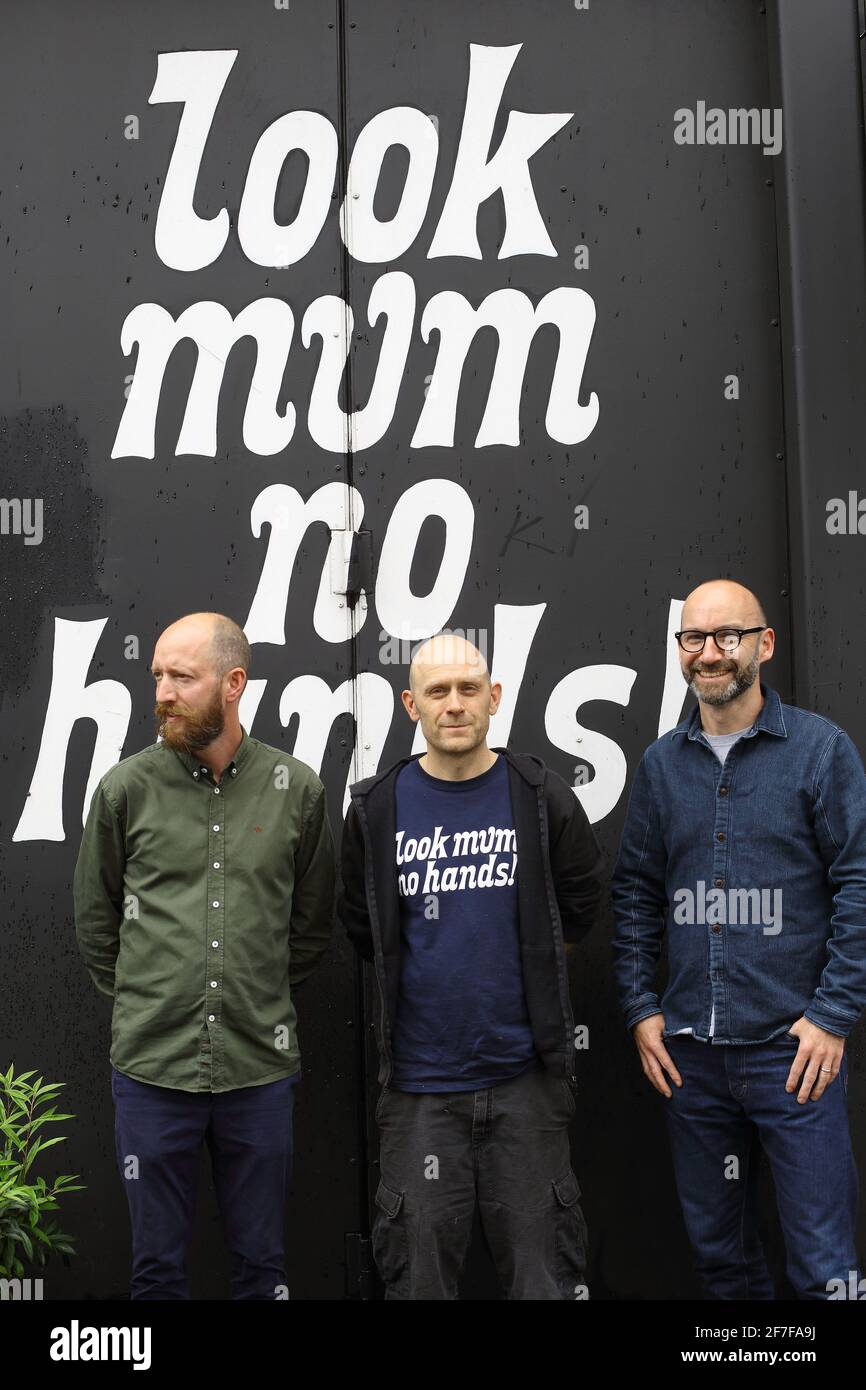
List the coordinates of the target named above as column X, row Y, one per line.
column 187, row 242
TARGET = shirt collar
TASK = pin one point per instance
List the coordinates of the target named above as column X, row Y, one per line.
column 195, row 766
column 769, row 721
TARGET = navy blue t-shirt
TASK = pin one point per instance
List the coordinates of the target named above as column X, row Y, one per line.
column 462, row 1022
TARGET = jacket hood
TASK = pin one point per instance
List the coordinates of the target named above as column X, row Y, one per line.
column 527, row 765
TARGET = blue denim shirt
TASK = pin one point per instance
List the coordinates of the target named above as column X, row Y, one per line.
column 786, row 816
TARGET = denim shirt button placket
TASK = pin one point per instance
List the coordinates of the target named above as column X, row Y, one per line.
column 720, row 874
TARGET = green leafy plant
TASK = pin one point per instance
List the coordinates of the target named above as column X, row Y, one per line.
column 23, row 1204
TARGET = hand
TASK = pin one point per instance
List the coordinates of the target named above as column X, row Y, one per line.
column 654, row 1056
column 818, row 1050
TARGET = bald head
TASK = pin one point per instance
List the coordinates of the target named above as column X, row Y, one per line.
column 213, row 639
column 449, row 650
column 451, row 694
column 723, row 671
column 722, row 602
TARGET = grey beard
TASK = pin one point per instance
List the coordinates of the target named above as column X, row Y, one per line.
column 740, row 683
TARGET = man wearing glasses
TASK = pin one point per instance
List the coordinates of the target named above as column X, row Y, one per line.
column 745, row 841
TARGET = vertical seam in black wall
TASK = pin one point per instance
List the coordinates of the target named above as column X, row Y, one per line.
column 778, row 231
column 342, row 175
column 796, row 539
column 359, row 994
column 799, row 207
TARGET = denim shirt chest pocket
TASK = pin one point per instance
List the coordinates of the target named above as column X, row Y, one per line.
column 769, row 829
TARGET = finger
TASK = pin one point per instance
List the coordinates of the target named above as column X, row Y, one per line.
column 664, row 1058
column 809, row 1078
column 820, row 1086
column 795, row 1073
column 824, row 1079
column 654, row 1073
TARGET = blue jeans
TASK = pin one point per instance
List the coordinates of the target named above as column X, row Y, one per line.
column 158, row 1138
column 732, row 1106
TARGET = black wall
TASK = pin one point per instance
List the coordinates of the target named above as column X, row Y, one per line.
column 703, row 261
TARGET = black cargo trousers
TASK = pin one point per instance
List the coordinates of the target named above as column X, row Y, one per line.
column 505, row 1148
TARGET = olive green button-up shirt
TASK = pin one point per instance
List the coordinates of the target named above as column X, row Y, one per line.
column 198, row 905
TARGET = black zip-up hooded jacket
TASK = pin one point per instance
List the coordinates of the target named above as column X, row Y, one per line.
column 558, row 889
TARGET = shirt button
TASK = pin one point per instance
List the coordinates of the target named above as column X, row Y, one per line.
column 719, row 882
column 721, row 835
column 717, row 928
column 234, row 772
column 211, row 1018
column 214, row 943
column 216, row 791
column 213, row 983
column 216, row 827
column 216, row 863
column 204, row 769
column 195, row 774
column 723, row 791
column 215, row 903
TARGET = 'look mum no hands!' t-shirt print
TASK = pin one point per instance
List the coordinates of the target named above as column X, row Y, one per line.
column 447, row 862
column 461, row 1019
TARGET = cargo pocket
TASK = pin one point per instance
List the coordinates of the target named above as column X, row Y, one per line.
column 570, row 1089
column 570, row 1238
column 377, row 1114
column 389, row 1239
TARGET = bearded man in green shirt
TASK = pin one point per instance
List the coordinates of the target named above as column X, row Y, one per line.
column 204, row 894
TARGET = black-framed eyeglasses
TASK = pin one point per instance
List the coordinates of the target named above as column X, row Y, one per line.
column 727, row 639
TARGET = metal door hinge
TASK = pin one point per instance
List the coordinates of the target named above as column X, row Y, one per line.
column 352, row 565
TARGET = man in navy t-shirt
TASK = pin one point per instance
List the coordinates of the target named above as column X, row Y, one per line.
column 465, row 873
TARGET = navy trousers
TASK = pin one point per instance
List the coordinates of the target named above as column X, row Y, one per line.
column 158, row 1137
